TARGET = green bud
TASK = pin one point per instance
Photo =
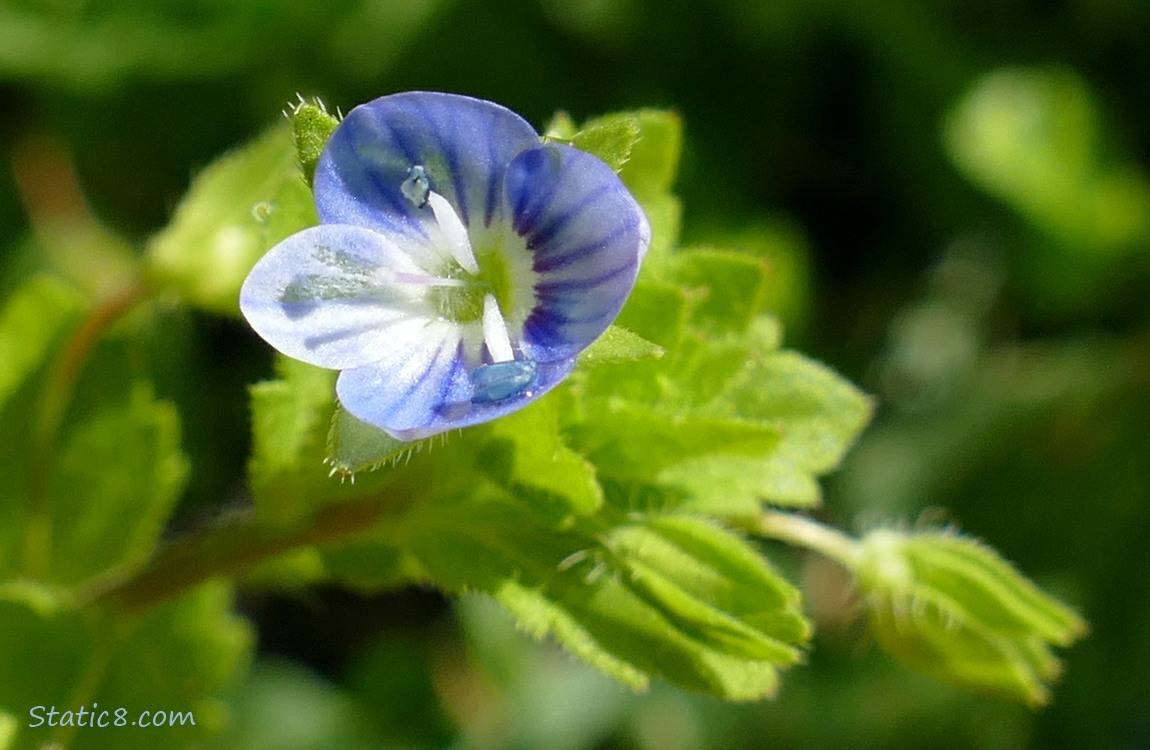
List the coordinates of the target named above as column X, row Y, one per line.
column 952, row 608
column 312, row 125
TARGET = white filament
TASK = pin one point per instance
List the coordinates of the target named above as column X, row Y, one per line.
column 453, row 231
column 401, row 277
column 495, row 331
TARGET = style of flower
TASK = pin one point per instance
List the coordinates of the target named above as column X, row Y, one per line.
column 460, row 267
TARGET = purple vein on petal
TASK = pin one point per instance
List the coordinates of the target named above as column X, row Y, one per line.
column 566, row 286
column 494, row 183
column 447, row 146
column 548, row 260
column 318, row 340
column 532, row 199
column 544, row 235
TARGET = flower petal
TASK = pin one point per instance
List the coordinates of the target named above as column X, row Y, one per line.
column 463, row 144
column 586, row 235
column 416, row 396
column 329, row 296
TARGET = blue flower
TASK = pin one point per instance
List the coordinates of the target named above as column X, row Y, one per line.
column 460, row 267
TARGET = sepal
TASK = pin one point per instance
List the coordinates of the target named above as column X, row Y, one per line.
column 952, row 608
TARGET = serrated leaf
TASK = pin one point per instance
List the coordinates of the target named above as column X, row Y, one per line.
column 355, row 446
column 657, row 312
column 626, row 440
column 734, row 487
column 705, row 615
column 611, row 138
column 708, row 581
column 31, row 324
column 703, row 367
column 818, row 415
column 290, row 470
column 116, row 482
column 35, row 323
column 235, row 211
column 617, row 344
column 665, row 215
column 729, row 287
column 176, row 657
column 525, row 453
column 291, row 419
column 654, row 160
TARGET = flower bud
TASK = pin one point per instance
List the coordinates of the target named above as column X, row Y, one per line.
column 952, row 608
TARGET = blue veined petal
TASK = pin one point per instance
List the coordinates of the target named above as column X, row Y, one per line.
column 329, row 296
column 433, row 392
column 463, row 145
column 586, row 235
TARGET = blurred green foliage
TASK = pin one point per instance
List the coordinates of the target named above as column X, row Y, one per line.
column 949, row 201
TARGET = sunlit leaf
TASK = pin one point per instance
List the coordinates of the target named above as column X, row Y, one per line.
column 235, row 211
column 611, row 138
column 115, row 484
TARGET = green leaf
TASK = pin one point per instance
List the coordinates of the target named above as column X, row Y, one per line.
column 631, row 441
column 783, row 249
column 704, row 577
column 665, row 215
column 654, row 158
column 735, row 487
column 656, row 312
column 371, row 562
column 182, row 654
column 236, row 210
column 291, row 472
column 670, row 596
column 290, row 420
column 35, row 323
column 617, row 344
column 1031, row 138
column 116, row 482
column 817, row 413
column 728, row 287
column 611, row 137
column 954, row 609
column 288, row 706
column 177, row 657
column 32, row 323
column 526, row 454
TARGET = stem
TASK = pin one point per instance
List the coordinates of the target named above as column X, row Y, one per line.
column 230, row 547
column 54, row 401
column 801, row 531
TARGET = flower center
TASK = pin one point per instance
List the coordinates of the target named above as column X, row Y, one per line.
column 463, row 292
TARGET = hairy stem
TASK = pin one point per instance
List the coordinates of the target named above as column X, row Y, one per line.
column 801, row 531
column 231, row 546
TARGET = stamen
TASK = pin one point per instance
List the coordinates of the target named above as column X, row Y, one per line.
column 495, row 331
column 416, row 187
column 453, row 231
